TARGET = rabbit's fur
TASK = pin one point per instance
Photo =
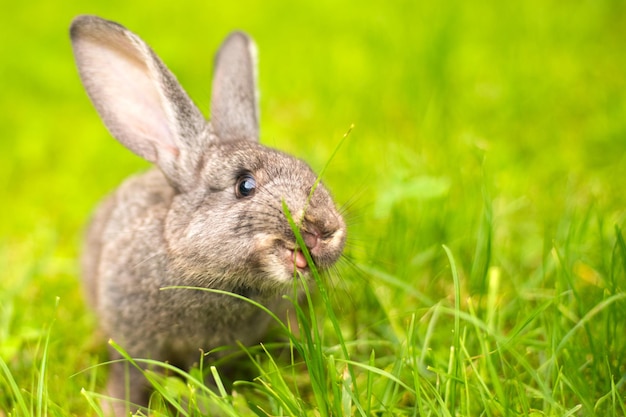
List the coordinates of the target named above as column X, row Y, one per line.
column 209, row 215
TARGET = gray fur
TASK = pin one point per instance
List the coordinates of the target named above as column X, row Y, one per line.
column 182, row 222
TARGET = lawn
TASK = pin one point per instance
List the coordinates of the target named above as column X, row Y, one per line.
column 483, row 183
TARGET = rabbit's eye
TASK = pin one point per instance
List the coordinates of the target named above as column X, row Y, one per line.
column 246, row 186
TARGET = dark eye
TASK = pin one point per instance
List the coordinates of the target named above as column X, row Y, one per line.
column 246, row 186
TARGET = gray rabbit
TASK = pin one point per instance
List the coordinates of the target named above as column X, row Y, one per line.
column 210, row 214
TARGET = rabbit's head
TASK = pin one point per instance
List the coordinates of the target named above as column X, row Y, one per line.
column 226, row 220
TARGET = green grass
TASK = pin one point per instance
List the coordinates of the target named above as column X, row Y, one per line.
column 483, row 183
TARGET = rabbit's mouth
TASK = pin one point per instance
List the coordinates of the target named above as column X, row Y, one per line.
column 297, row 260
column 324, row 249
column 286, row 258
column 294, row 261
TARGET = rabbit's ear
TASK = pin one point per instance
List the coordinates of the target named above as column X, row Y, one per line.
column 137, row 97
column 234, row 97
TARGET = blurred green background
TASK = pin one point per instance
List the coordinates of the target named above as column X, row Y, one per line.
column 466, row 114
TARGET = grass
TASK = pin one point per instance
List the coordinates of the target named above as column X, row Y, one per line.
column 483, row 183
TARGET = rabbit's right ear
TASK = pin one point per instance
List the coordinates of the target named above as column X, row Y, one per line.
column 137, row 97
column 234, row 96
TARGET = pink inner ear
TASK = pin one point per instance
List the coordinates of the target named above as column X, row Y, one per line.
column 127, row 96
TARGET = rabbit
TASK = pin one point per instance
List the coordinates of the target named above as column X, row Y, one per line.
column 209, row 213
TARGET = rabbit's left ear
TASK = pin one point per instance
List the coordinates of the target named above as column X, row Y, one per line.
column 137, row 97
column 234, row 96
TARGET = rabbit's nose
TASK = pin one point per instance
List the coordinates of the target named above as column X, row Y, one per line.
column 311, row 238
